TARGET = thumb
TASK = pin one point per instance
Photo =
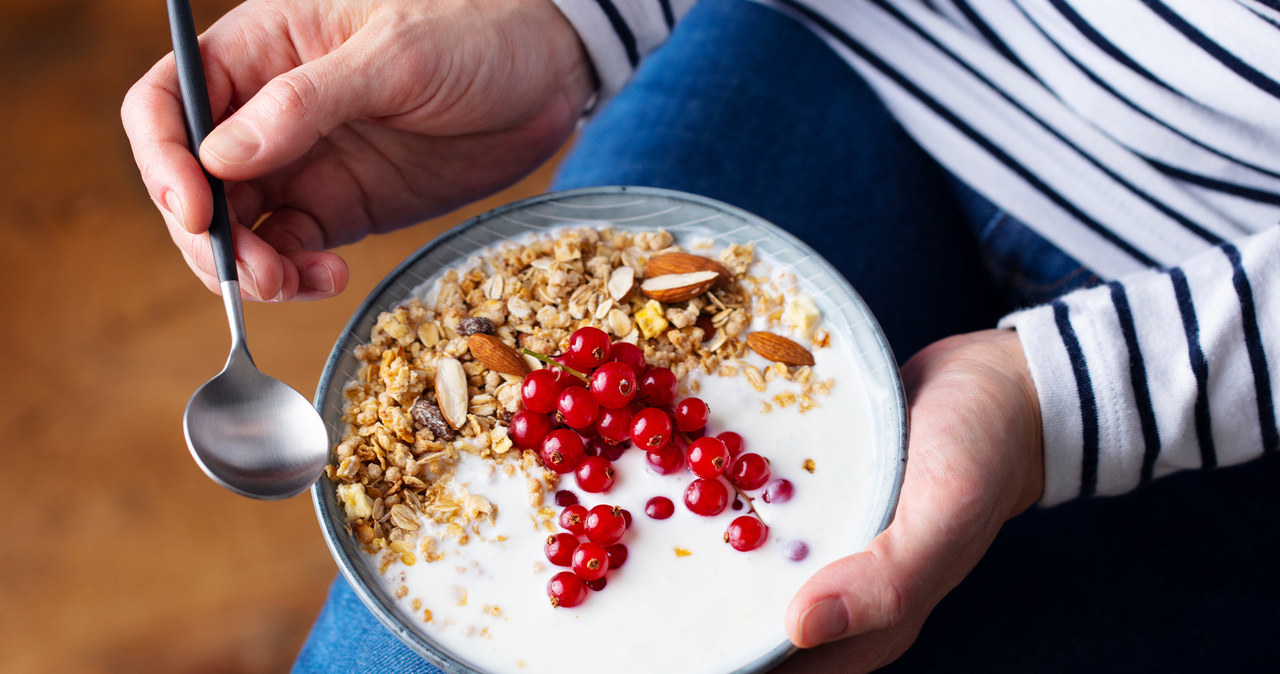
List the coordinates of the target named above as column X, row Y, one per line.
column 287, row 116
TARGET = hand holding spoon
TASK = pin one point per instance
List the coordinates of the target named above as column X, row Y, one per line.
column 249, row 432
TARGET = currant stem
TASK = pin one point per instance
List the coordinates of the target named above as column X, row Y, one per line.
column 553, row 362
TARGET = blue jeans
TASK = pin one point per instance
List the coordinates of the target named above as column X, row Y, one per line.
column 744, row 106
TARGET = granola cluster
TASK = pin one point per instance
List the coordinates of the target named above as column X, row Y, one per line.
column 421, row 399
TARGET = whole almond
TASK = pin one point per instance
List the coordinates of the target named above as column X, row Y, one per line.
column 672, row 288
column 451, row 391
column 779, row 349
column 497, row 355
column 683, row 263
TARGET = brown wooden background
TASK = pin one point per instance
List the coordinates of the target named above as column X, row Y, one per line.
column 116, row 553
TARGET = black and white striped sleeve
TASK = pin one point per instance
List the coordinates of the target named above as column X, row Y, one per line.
column 618, row 34
column 1158, row 371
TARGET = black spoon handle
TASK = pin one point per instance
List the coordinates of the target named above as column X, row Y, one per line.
column 195, row 108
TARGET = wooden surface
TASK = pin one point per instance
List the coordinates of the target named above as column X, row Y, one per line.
column 118, row 555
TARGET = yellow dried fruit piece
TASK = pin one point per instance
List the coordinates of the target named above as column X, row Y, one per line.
column 355, row 502
column 650, row 319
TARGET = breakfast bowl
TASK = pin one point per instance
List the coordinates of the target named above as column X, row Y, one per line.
column 450, row 517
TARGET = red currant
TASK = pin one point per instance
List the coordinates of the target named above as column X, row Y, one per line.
column 617, row 555
column 566, row 589
column 628, row 354
column 540, row 389
column 666, row 459
column 562, row 376
column 779, row 491
column 651, row 428
column 614, row 426
column 576, row 407
column 749, row 471
column 691, row 414
column 598, row 446
column 706, row 497
column 574, row 519
column 528, row 429
column 708, row 457
column 796, row 551
column 659, row 508
column 590, row 561
column 597, row 584
column 565, row 498
column 588, row 348
column 746, row 533
column 562, row 450
column 733, row 442
column 605, row 524
column 658, row 386
column 560, row 547
column 595, row 474
column 613, row 385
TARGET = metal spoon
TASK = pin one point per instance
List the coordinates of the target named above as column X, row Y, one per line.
column 249, row 432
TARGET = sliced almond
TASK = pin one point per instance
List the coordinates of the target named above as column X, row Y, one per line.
column 621, row 282
column 779, row 349
column 451, row 391
column 671, row 288
column 683, row 263
column 497, row 355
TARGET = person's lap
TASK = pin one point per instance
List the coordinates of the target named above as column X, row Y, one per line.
column 745, row 106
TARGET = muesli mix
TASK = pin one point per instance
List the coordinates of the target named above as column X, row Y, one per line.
column 442, row 378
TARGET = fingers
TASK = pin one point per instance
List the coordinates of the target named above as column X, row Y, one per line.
column 286, row 117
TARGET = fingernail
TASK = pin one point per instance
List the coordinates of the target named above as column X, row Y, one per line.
column 319, row 277
column 232, row 143
column 174, row 205
column 824, row 621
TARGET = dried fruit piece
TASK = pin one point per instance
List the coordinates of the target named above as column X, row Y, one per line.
column 497, row 355
column 451, row 391
column 651, row 320
column 621, row 282
column 683, row 263
column 779, row 349
column 427, row 415
column 472, row 325
column 672, row 288
column 802, row 314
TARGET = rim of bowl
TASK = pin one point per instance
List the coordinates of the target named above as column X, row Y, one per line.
column 322, row 496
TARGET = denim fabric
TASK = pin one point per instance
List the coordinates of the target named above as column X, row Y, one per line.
column 744, row 106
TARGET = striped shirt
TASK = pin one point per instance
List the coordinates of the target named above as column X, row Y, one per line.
column 1141, row 137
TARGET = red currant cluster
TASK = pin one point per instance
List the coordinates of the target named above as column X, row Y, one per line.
column 607, row 393
column 588, row 560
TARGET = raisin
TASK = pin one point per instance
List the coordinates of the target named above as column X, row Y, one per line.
column 427, row 415
column 471, row 325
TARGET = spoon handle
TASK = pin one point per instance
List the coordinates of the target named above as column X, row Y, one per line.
column 195, row 108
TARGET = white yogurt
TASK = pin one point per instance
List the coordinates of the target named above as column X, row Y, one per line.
column 713, row 610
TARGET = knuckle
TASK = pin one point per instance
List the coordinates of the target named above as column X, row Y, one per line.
column 292, row 94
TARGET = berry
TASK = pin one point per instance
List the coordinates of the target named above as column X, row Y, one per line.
column 540, row 389
column 614, row 426
column 562, row 450
column 576, row 407
column 706, row 497
column 796, row 551
column 565, row 498
column 605, row 524
column 779, row 491
column 574, row 519
column 733, row 442
column 626, row 517
column 529, row 428
column 588, row 348
column 650, row 428
column 749, row 471
column 691, row 414
column 628, row 354
column 617, row 555
column 599, row 446
column 708, row 457
column 666, row 459
column 613, row 385
column 560, row 547
column 562, row 376
column 595, row 474
column 566, row 589
column 746, row 533
column 597, row 584
column 590, row 561
column 658, row 386
column 659, row 508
